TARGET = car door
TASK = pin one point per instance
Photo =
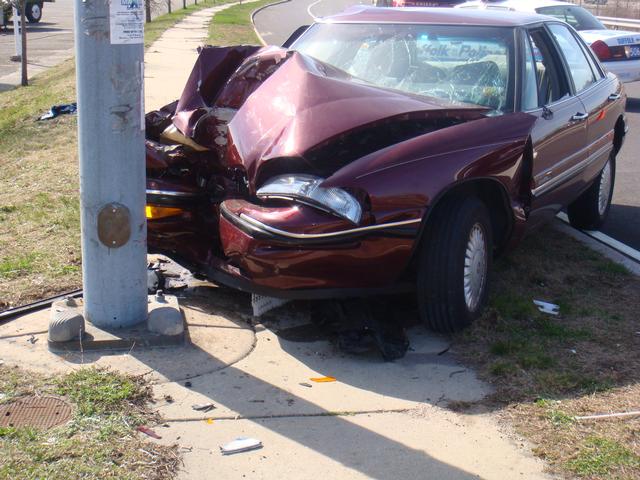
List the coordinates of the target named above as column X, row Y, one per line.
column 559, row 135
column 597, row 92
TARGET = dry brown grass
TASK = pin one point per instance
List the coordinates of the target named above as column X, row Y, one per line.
column 547, row 369
column 39, row 226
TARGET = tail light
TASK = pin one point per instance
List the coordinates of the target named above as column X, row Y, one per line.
column 605, row 52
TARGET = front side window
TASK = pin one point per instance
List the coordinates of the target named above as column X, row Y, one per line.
column 457, row 63
column 577, row 17
column 579, row 66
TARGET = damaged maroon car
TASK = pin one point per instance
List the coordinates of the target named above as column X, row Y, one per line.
column 383, row 151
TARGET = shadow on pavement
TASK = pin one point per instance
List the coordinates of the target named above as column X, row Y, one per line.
column 402, row 379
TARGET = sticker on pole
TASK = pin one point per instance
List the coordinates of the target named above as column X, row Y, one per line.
column 126, row 19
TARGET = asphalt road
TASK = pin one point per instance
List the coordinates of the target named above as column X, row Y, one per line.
column 51, row 41
column 623, row 223
column 48, row 42
column 276, row 23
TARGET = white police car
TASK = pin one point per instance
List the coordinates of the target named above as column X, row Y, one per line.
column 618, row 50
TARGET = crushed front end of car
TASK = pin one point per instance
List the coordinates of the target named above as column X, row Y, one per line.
column 275, row 173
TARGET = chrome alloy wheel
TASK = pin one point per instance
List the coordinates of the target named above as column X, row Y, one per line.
column 475, row 267
column 604, row 193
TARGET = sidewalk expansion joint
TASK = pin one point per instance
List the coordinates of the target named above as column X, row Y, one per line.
column 347, row 413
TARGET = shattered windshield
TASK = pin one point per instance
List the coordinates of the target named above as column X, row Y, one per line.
column 457, row 63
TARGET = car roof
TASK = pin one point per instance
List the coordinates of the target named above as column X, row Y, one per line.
column 516, row 5
column 443, row 16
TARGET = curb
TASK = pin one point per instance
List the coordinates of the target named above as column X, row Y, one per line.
column 258, row 10
column 610, row 253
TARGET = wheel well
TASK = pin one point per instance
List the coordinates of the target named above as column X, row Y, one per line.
column 618, row 134
column 493, row 195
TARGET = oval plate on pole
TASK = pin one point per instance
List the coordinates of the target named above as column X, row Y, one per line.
column 114, row 225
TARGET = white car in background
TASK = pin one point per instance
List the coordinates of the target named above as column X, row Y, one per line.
column 618, row 50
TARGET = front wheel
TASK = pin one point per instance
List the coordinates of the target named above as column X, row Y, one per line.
column 33, row 12
column 454, row 264
column 590, row 210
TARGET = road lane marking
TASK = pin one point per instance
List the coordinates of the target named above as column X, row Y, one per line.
column 607, row 240
column 311, row 6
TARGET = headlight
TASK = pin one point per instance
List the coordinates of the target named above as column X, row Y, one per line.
column 306, row 189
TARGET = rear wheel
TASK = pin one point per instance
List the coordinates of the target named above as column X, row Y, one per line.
column 590, row 210
column 33, row 12
column 454, row 265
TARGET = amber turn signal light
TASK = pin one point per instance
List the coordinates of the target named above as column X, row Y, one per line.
column 153, row 212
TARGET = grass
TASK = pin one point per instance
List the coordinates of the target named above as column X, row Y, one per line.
column 39, row 208
column 547, row 370
column 233, row 25
column 600, row 456
column 100, row 441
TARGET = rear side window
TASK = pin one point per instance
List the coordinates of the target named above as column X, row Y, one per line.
column 577, row 17
column 578, row 64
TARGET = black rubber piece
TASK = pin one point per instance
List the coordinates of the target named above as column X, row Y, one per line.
column 440, row 286
column 583, row 212
column 11, row 313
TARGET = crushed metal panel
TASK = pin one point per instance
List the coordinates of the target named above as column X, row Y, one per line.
column 36, row 412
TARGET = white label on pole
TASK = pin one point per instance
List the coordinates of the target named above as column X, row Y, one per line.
column 126, row 19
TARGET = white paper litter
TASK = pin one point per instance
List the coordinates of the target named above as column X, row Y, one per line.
column 262, row 304
column 545, row 307
column 241, row 445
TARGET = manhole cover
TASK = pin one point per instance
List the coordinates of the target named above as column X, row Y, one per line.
column 36, row 412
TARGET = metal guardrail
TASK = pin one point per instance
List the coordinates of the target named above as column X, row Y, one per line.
column 628, row 23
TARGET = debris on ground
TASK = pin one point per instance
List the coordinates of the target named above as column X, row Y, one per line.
column 168, row 399
column 203, row 407
column 305, row 384
column 32, row 339
column 148, row 431
column 545, row 307
column 364, row 325
column 187, row 384
column 323, row 379
column 57, row 110
column 241, row 445
column 209, row 421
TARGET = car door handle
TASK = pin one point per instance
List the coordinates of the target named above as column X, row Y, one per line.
column 579, row 117
column 614, row 96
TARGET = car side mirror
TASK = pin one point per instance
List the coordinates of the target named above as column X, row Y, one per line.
column 295, row 35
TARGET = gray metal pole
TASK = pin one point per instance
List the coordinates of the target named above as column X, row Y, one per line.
column 110, row 76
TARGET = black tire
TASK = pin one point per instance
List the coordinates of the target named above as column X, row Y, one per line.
column 442, row 302
column 586, row 212
column 34, row 12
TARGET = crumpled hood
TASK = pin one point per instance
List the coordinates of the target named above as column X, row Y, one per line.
column 280, row 103
column 306, row 102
